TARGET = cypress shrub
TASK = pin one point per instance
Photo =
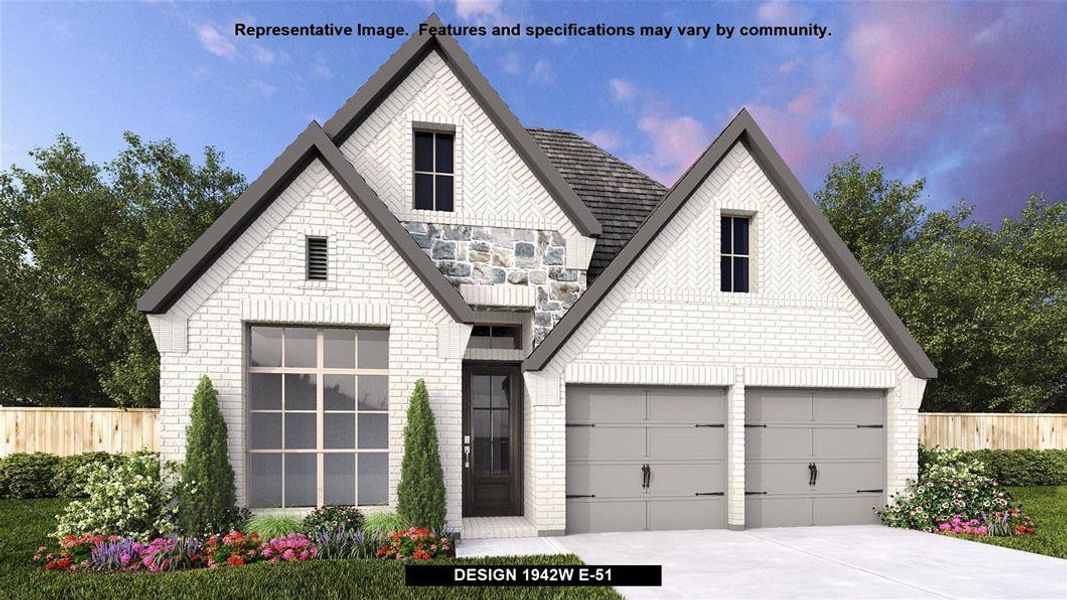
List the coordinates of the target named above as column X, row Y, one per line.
column 421, row 493
column 206, row 496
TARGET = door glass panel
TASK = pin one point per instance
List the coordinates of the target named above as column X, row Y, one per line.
column 481, row 391
column 501, row 393
column 491, row 423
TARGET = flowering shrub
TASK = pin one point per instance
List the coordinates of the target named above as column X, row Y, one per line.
column 233, row 549
column 291, row 548
column 332, row 518
column 953, row 486
column 416, row 544
column 73, row 554
column 127, row 499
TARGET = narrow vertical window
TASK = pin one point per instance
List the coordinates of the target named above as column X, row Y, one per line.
column 734, row 254
column 317, row 259
column 434, row 166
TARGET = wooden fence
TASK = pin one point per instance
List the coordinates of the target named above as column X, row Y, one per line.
column 66, row 431
column 975, row 431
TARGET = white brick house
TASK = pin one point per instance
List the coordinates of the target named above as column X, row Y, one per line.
column 601, row 353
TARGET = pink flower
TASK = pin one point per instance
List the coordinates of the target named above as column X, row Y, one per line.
column 288, row 554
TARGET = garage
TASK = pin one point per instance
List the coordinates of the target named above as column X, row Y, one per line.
column 813, row 457
column 645, row 458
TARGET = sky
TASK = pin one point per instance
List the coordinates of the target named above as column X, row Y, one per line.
column 970, row 96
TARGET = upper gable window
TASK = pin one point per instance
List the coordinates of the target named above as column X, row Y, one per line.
column 734, row 254
column 434, row 170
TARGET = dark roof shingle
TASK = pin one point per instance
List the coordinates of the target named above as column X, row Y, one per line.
column 619, row 196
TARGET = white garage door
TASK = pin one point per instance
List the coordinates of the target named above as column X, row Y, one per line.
column 645, row 458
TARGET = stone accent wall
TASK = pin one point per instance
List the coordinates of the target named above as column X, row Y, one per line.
column 506, row 256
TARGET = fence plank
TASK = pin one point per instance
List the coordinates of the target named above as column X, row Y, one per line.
column 66, row 431
column 975, row 431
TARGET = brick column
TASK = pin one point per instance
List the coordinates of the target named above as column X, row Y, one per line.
column 735, row 452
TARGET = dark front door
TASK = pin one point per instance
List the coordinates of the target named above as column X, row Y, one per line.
column 492, row 440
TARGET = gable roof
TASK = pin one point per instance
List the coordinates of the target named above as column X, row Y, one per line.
column 404, row 60
column 312, row 143
column 743, row 129
column 619, row 196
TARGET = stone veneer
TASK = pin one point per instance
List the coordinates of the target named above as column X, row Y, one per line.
column 505, row 256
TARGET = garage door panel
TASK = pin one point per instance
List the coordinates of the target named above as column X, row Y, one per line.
column 848, row 406
column 778, row 512
column 686, row 479
column 592, row 517
column 778, row 477
column 846, row 478
column 857, row 510
column 603, row 442
column 605, row 404
column 848, row 442
column 777, row 442
column 605, row 481
column 686, row 442
column 766, row 405
column 698, row 513
column 689, row 405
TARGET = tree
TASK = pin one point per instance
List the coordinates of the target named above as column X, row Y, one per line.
column 207, row 494
column 79, row 243
column 421, row 493
column 988, row 306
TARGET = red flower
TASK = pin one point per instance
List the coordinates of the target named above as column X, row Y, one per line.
column 235, row 561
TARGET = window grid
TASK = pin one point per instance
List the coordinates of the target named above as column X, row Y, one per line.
column 434, row 173
column 734, row 257
column 320, row 370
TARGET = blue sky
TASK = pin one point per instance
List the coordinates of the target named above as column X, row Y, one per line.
column 972, row 97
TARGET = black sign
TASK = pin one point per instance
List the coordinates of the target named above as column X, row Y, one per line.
column 534, row 575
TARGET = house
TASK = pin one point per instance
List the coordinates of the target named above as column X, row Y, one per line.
column 602, row 353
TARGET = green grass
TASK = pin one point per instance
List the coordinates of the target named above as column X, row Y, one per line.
column 25, row 524
column 1048, row 506
column 274, row 526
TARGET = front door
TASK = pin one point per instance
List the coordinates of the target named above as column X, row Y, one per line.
column 492, row 440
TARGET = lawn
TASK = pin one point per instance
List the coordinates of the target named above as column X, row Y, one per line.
column 1048, row 506
column 25, row 524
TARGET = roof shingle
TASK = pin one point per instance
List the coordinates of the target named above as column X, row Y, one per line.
column 619, row 196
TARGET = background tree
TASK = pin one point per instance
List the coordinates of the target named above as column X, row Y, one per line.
column 421, row 491
column 207, row 494
column 988, row 305
column 79, row 243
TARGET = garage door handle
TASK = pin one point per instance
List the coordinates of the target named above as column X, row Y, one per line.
column 710, row 425
column 869, row 426
column 761, row 425
column 646, row 476
column 811, row 474
column 581, row 496
column 710, row 494
column 816, row 480
column 869, row 491
column 755, row 493
column 580, row 425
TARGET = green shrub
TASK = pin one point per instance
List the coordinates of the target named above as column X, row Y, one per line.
column 421, row 492
column 206, row 495
column 71, row 477
column 333, row 518
column 273, row 526
column 1015, row 467
column 28, row 475
column 380, row 524
column 952, row 484
column 126, row 499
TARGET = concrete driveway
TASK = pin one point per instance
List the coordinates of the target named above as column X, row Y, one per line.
column 866, row 561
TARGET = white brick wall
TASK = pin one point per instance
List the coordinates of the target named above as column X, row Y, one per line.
column 261, row 278
column 667, row 323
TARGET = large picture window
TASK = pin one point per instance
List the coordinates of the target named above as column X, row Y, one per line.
column 318, row 408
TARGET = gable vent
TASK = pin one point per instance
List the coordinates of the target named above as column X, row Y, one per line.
column 316, row 258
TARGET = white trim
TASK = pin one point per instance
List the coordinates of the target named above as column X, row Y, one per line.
column 579, row 252
column 320, row 311
column 648, row 374
column 505, row 295
column 823, row 378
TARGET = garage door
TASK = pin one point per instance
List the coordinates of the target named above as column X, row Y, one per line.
column 645, row 458
column 813, row 457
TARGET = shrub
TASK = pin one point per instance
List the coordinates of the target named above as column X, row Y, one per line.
column 381, row 524
column 71, row 477
column 127, row 499
column 416, row 544
column 28, row 475
column 952, row 484
column 1024, row 467
column 273, row 526
column 331, row 518
column 421, row 492
column 207, row 495
column 295, row 547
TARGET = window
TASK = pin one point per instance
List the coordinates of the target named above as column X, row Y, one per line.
column 318, row 416
column 316, row 258
column 496, row 337
column 734, row 254
column 433, row 170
